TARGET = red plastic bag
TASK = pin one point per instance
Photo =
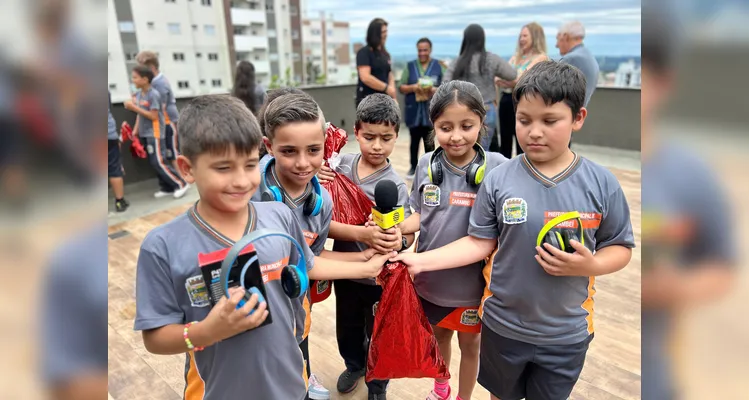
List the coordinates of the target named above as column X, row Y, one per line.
column 136, row 148
column 351, row 206
column 403, row 343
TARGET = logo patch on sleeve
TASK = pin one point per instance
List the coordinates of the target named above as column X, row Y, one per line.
column 197, row 291
column 514, row 211
column 431, row 195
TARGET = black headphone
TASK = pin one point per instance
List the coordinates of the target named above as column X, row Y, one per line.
column 474, row 173
column 313, row 203
column 560, row 238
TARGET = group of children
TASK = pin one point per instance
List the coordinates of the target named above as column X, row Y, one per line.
column 155, row 127
column 523, row 311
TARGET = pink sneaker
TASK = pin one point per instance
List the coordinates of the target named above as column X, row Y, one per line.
column 434, row 396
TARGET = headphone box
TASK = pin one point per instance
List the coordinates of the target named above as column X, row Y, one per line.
column 210, row 268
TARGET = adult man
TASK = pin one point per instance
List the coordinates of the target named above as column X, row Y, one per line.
column 570, row 44
column 419, row 82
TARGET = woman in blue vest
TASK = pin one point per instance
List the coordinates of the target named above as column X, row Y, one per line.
column 419, row 82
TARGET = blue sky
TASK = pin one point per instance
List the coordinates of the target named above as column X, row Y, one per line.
column 613, row 26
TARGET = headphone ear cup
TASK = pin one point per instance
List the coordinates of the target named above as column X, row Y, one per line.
column 552, row 239
column 436, row 172
column 290, row 282
column 471, row 173
column 312, row 205
column 567, row 237
column 276, row 193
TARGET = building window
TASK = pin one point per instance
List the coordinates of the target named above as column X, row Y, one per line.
column 170, row 1
column 198, row 55
column 295, row 34
column 194, row 27
column 330, row 32
column 151, row 26
column 297, row 57
column 112, row 86
column 178, row 56
column 209, row 30
column 283, row 6
column 202, row 82
column 205, row 2
column 127, row 26
column 269, row 6
column 174, row 28
column 183, row 84
column 131, row 56
column 213, row 56
column 238, row 30
column 292, row 10
column 216, row 83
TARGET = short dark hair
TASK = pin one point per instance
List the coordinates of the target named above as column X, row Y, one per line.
column 424, row 40
column 270, row 96
column 144, row 71
column 554, row 82
column 378, row 109
column 458, row 92
column 214, row 124
column 291, row 108
column 660, row 33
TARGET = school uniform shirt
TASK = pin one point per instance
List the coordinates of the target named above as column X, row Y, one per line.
column 349, row 168
column 150, row 100
column 315, row 229
column 523, row 302
column 263, row 363
column 111, row 125
column 161, row 85
column 445, row 210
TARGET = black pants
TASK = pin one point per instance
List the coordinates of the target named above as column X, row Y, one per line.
column 355, row 307
column 420, row 133
column 507, row 126
column 169, row 178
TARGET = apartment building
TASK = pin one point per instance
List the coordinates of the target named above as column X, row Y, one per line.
column 327, row 50
column 190, row 37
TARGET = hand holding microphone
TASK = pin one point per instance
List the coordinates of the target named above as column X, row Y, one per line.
column 386, row 214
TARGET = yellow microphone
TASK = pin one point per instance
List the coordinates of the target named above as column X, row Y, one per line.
column 387, row 213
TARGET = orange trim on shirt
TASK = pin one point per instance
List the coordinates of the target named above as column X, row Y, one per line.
column 588, row 303
column 195, row 388
column 308, row 317
column 488, row 279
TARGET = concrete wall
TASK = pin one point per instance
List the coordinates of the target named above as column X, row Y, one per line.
column 613, row 120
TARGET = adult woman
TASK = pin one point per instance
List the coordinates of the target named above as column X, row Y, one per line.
column 373, row 63
column 246, row 87
column 531, row 49
column 480, row 67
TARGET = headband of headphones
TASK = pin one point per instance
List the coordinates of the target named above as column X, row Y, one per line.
column 474, row 173
column 558, row 220
column 236, row 249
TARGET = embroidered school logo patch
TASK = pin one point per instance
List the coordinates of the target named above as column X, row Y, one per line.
column 431, row 195
column 470, row 317
column 197, row 291
column 149, row 149
column 514, row 211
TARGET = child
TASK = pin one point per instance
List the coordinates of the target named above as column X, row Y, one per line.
column 219, row 153
column 168, row 103
column 537, row 311
column 149, row 127
column 294, row 137
column 272, row 95
column 376, row 129
column 114, row 162
column 442, row 197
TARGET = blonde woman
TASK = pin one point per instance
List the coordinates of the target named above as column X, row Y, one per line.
column 531, row 50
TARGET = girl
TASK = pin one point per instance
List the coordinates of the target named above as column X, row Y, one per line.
column 444, row 189
column 246, row 88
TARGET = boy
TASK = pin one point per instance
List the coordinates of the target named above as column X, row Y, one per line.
column 294, row 138
column 149, row 127
column 114, row 162
column 537, row 311
column 376, row 130
column 219, row 153
column 168, row 103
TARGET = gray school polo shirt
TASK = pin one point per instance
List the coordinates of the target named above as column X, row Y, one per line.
column 349, row 168
column 525, row 303
column 580, row 57
column 161, row 84
column 262, row 363
column 679, row 191
column 315, row 229
column 445, row 210
column 150, row 101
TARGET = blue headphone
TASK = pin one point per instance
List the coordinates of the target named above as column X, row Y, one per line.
column 313, row 204
column 294, row 279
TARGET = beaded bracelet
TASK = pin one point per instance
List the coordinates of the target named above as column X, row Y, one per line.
column 187, row 340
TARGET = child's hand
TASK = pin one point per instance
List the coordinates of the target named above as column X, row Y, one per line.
column 368, row 254
column 325, row 174
column 383, row 241
column 412, row 261
column 558, row 263
column 226, row 321
column 129, row 105
column 373, row 267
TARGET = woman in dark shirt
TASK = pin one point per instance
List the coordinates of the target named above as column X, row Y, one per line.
column 373, row 63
